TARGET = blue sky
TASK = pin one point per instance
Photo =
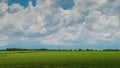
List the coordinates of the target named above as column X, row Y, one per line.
column 65, row 4
column 60, row 24
column 21, row 2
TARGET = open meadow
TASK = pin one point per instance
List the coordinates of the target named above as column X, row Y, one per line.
column 59, row 59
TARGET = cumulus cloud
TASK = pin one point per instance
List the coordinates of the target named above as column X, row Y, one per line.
column 87, row 22
column 3, row 40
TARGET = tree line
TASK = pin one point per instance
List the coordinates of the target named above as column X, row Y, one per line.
column 44, row 49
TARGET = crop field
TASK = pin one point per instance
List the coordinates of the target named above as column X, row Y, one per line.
column 59, row 59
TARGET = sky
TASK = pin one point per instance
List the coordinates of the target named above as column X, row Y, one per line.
column 70, row 24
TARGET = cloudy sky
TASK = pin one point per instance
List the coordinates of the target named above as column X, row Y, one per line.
column 60, row 23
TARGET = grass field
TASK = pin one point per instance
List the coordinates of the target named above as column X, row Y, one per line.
column 59, row 59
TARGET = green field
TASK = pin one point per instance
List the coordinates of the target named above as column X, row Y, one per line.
column 59, row 59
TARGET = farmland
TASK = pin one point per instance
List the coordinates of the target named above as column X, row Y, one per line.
column 59, row 59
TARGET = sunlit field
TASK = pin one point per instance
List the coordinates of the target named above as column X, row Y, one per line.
column 59, row 59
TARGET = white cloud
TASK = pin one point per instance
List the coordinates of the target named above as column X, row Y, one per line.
column 15, row 8
column 89, row 21
column 3, row 9
column 3, row 40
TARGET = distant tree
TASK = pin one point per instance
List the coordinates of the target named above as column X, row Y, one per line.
column 75, row 50
column 15, row 49
column 70, row 50
column 111, row 50
column 59, row 49
column 80, row 50
column 89, row 50
column 2, row 50
column 43, row 49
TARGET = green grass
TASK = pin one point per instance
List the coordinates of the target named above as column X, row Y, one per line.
column 59, row 59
